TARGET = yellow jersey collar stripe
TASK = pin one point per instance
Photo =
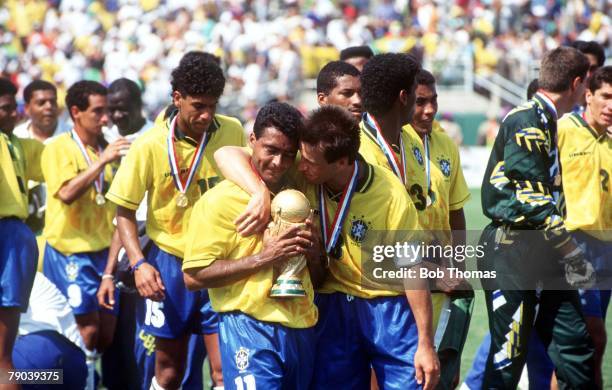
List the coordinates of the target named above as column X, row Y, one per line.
column 582, row 123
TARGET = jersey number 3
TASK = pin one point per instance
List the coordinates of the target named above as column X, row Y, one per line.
column 605, row 179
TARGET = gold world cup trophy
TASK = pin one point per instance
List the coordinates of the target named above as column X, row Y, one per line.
column 289, row 208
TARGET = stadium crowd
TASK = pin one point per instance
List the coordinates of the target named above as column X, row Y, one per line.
column 269, row 47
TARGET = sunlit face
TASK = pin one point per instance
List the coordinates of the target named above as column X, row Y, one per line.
column 8, row 113
column 313, row 165
column 196, row 113
column 346, row 94
column 43, row 110
column 273, row 154
column 599, row 105
column 123, row 112
column 92, row 119
column 425, row 108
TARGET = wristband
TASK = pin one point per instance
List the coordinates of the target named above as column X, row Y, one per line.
column 108, row 276
column 138, row 264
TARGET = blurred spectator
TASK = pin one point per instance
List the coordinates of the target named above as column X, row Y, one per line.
column 452, row 128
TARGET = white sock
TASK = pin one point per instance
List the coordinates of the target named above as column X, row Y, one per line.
column 90, row 359
column 155, row 385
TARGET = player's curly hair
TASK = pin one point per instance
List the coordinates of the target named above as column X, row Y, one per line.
column 197, row 75
column 7, row 87
column 79, row 92
column 328, row 77
column 335, row 130
column 382, row 79
column 281, row 116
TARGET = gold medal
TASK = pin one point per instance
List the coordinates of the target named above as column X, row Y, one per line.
column 100, row 199
column 182, row 201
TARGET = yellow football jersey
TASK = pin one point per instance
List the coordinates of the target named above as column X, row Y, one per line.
column 448, row 187
column 212, row 236
column 19, row 162
column 586, row 166
column 146, row 169
column 379, row 204
column 83, row 225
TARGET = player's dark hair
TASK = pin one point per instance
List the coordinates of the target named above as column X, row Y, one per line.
column 532, row 88
column 7, row 87
column 129, row 86
column 336, row 132
column 200, row 56
column 78, row 94
column 198, row 75
column 356, row 51
column 591, row 47
column 328, row 77
column 424, row 77
column 37, row 85
column 382, row 79
column 281, row 116
column 601, row 76
column 560, row 67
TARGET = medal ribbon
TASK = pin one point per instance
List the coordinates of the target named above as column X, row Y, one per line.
column 181, row 185
column 332, row 232
column 100, row 180
column 398, row 169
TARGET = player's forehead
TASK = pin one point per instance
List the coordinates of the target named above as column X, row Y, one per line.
column 312, row 153
column 605, row 90
column 271, row 137
column 425, row 90
column 347, row 81
column 97, row 102
column 7, row 99
column 43, row 94
column 119, row 99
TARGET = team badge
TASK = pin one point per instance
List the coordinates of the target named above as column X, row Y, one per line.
column 72, row 271
column 359, row 228
column 242, row 358
column 445, row 166
column 417, row 154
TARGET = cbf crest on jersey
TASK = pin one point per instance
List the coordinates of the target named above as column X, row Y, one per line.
column 359, row 229
column 242, row 358
column 72, row 271
column 445, row 165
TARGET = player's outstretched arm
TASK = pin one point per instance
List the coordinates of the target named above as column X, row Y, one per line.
column 426, row 364
column 147, row 278
column 235, row 166
column 290, row 243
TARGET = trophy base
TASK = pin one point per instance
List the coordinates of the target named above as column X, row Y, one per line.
column 287, row 288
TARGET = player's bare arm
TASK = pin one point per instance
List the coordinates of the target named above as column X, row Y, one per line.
column 77, row 186
column 234, row 163
column 426, row 364
column 292, row 242
column 147, row 278
column 106, row 291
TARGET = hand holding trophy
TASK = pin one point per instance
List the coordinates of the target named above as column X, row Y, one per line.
column 289, row 208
